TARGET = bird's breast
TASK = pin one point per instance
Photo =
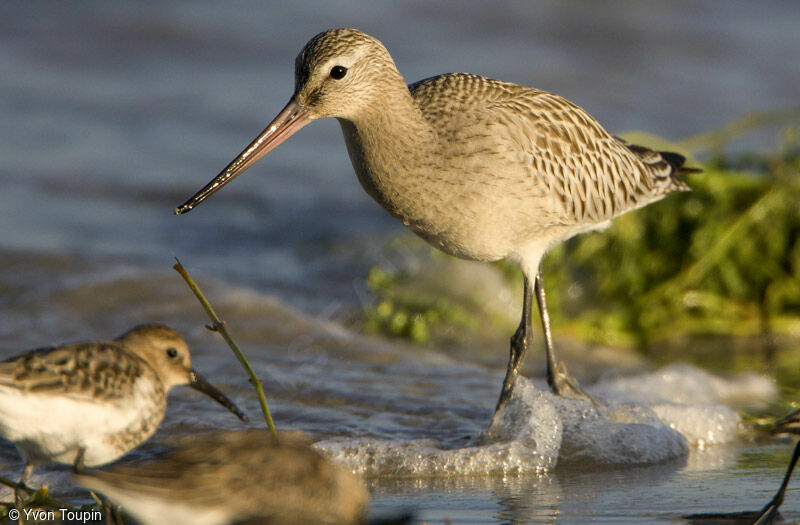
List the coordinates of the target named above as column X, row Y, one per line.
column 455, row 202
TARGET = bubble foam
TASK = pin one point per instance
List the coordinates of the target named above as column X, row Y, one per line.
column 536, row 429
column 525, row 438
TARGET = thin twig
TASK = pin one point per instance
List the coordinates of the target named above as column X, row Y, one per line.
column 217, row 325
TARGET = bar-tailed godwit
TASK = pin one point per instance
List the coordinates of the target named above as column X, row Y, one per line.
column 481, row 169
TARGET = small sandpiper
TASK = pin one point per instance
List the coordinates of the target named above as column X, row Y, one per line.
column 230, row 477
column 90, row 403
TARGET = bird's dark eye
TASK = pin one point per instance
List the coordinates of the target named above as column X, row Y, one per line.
column 338, row 72
column 172, row 352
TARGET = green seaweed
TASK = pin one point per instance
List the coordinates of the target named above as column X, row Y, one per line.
column 410, row 316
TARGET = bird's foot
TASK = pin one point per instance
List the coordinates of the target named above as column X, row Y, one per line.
column 563, row 384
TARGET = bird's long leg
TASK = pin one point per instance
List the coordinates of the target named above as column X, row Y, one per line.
column 519, row 344
column 560, row 381
column 769, row 511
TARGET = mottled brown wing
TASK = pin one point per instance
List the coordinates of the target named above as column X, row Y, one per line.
column 101, row 370
column 593, row 175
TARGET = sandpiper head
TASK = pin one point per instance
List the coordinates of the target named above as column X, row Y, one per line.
column 340, row 73
column 163, row 348
column 168, row 354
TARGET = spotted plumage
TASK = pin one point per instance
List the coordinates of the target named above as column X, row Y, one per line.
column 90, row 403
column 228, row 477
column 100, row 370
column 480, row 168
column 564, row 162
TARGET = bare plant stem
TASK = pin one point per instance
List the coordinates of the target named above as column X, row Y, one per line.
column 218, row 326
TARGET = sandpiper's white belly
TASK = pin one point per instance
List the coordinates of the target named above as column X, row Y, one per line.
column 53, row 427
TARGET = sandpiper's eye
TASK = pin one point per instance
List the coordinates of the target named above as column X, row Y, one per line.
column 338, row 72
column 172, row 352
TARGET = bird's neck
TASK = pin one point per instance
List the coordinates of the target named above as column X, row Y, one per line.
column 388, row 144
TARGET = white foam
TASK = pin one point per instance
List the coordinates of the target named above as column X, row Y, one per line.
column 638, row 424
column 690, row 400
column 681, row 383
column 701, row 425
column 619, row 434
column 525, row 439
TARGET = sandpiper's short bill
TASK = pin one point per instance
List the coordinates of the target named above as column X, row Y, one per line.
column 90, row 403
column 230, row 477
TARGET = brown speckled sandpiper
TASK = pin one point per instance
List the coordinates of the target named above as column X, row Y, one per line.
column 230, row 477
column 90, row 403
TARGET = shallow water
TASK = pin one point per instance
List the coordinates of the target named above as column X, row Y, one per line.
column 414, row 421
column 114, row 114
